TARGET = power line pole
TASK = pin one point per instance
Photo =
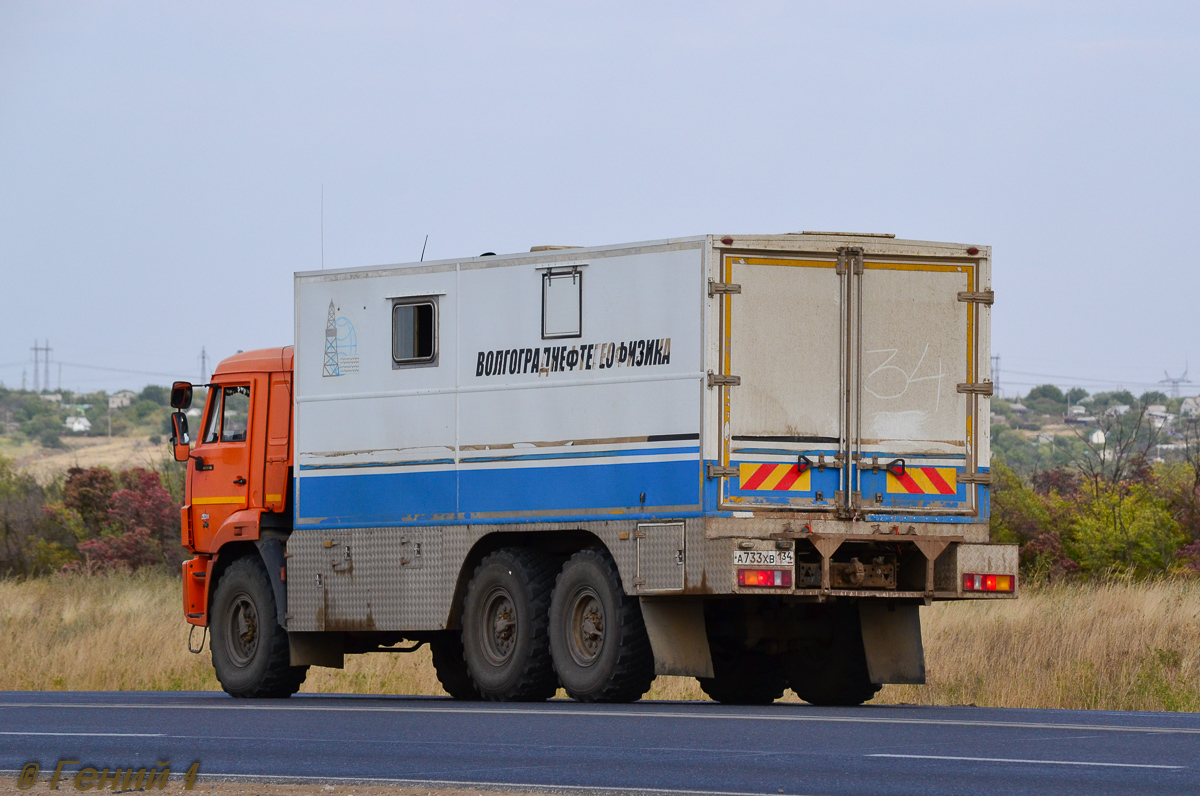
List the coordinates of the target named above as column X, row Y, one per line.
column 38, row 369
column 203, row 365
column 996, row 374
column 1175, row 382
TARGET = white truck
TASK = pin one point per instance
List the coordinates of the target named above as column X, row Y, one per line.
column 744, row 458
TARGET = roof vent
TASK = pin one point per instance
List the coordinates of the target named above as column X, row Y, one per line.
column 849, row 234
column 551, row 248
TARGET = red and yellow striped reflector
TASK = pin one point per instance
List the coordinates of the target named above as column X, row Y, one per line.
column 774, row 477
column 924, row 481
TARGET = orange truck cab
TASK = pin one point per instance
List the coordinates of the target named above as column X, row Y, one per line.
column 238, row 493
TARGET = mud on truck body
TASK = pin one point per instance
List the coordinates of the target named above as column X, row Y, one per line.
column 745, row 459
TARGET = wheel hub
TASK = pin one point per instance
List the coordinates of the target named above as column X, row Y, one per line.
column 243, row 629
column 587, row 626
column 499, row 626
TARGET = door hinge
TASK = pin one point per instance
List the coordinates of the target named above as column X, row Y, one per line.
column 980, row 388
column 975, row 478
column 717, row 471
column 978, row 296
column 727, row 288
column 846, row 256
column 723, row 380
column 835, row 462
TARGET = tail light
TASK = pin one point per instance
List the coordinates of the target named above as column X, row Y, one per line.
column 767, row 578
column 1003, row 583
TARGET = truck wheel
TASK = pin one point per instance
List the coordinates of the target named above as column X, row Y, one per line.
column 505, row 618
column 597, row 637
column 451, row 666
column 833, row 669
column 249, row 649
column 744, row 678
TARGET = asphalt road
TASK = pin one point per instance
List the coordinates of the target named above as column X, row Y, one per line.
column 782, row 748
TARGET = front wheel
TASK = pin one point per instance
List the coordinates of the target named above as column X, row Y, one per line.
column 451, row 666
column 597, row 636
column 249, row 649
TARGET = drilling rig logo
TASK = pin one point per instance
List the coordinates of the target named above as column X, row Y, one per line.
column 341, row 345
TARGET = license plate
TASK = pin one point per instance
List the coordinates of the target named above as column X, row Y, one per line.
column 763, row 558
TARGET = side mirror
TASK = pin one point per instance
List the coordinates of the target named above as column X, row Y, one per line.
column 179, row 433
column 181, row 395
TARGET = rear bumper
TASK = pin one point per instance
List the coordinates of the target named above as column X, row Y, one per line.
column 876, row 566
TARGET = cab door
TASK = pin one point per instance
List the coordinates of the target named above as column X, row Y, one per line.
column 221, row 461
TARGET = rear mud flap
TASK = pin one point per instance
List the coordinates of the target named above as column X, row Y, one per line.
column 678, row 636
column 892, row 641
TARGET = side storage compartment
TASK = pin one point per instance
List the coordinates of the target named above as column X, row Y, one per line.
column 661, row 556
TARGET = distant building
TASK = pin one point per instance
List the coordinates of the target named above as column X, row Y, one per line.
column 1077, row 410
column 1097, row 438
column 1116, row 411
column 1018, row 407
column 1190, row 406
column 1045, row 439
column 120, row 400
column 53, row 398
column 80, row 425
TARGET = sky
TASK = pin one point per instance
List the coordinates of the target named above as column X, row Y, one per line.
column 162, row 165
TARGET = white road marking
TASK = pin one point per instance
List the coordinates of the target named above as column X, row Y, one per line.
column 530, row 711
column 1034, row 762
column 96, row 734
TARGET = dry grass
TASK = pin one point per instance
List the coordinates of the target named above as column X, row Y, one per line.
column 117, row 453
column 1115, row 646
column 1109, row 646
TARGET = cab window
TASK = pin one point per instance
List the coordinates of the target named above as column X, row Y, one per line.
column 229, row 415
column 235, row 414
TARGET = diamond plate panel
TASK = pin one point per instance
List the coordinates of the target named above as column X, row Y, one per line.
column 405, row 578
column 661, row 554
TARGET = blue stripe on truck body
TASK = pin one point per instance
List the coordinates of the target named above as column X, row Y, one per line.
column 500, row 495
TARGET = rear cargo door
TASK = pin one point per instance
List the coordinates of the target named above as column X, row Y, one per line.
column 785, row 420
column 850, row 385
column 913, row 387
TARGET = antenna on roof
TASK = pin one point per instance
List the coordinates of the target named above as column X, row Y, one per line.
column 423, row 245
column 322, row 226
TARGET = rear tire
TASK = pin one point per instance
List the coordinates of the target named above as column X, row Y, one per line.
column 451, row 666
column 597, row 636
column 832, row 669
column 744, row 677
column 249, row 648
column 505, row 617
